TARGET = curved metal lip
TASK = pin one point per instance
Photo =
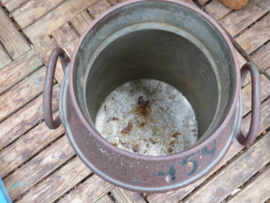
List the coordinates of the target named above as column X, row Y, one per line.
column 154, row 158
column 235, row 129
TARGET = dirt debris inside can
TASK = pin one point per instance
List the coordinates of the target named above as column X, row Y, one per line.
column 148, row 117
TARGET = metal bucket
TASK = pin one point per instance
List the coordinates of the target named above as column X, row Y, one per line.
column 168, row 41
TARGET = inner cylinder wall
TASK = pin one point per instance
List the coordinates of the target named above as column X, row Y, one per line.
column 157, row 55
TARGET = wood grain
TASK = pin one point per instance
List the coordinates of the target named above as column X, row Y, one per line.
column 39, row 167
column 4, row 58
column 217, row 10
column 202, row 2
column 256, row 191
column 66, row 38
column 44, row 49
column 56, row 18
column 22, row 93
column 124, row 196
column 98, row 7
column 13, row 41
column 262, row 57
column 241, row 19
column 105, row 199
column 176, row 196
column 113, row 2
column 89, row 191
column 246, row 93
column 18, row 70
column 256, row 36
column 81, row 21
column 190, row 2
column 33, row 10
column 58, row 183
column 12, row 5
column 235, row 174
column 26, row 146
column 27, row 117
column 242, row 61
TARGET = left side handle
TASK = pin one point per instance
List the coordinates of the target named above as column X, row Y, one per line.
column 48, row 86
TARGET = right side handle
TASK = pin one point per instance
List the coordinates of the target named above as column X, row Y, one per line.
column 256, row 104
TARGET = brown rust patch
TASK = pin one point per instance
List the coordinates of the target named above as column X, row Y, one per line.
column 170, row 150
column 135, row 148
column 125, row 144
column 172, row 142
column 176, row 134
column 127, row 129
column 144, row 106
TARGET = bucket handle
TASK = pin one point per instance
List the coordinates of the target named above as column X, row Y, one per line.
column 48, row 86
column 256, row 104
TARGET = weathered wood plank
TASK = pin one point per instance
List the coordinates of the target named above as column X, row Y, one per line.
column 39, row 167
column 66, row 38
column 81, row 21
column 22, row 93
column 58, row 183
column 27, row 117
column 124, row 196
column 12, row 5
column 27, row 146
column 246, row 93
column 44, row 49
column 175, row 196
column 202, row 2
column 241, row 19
column 89, row 191
column 242, row 61
column 12, row 39
column 33, row 10
column 256, row 36
column 105, row 199
column 240, row 58
column 98, row 7
column 256, row 191
column 217, row 10
column 262, row 57
column 190, row 2
column 235, row 174
column 19, row 69
column 55, row 19
column 4, row 58
column 113, row 2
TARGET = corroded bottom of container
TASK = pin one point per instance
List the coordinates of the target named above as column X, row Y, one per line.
column 148, row 117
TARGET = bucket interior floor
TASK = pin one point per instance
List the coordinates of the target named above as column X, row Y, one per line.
column 148, row 117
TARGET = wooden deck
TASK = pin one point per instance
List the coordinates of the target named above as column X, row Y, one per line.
column 39, row 165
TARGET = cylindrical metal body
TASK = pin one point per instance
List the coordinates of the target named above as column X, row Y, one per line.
column 167, row 41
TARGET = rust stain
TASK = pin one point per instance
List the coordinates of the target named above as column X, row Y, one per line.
column 144, row 106
column 176, row 134
column 127, row 129
column 135, row 148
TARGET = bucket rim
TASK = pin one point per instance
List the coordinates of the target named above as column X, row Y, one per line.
column 159, row 158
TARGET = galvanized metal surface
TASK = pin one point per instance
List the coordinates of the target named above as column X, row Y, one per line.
column 185, row 48
column 162, row 121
